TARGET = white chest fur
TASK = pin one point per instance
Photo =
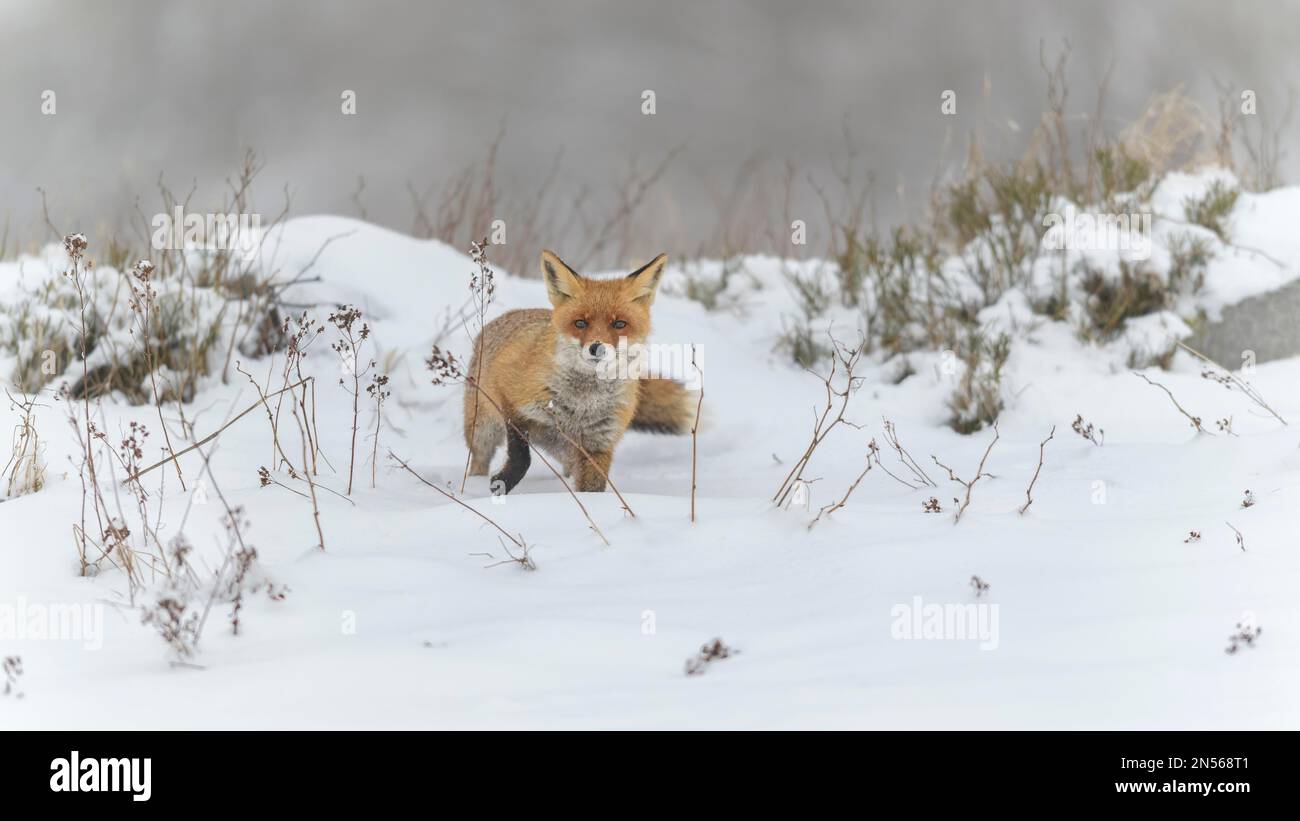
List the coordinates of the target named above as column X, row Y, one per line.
column 584, row 401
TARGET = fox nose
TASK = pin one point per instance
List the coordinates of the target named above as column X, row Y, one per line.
column 596, row 349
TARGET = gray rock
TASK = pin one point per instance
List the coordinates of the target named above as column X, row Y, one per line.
column 1268, row 324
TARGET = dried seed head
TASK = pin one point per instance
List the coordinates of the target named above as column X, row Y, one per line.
column 444, row 366
column 75, row 245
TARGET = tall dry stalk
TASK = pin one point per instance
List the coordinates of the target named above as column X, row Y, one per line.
column 482, row 286
column 78, row 266
column 25, row 470
column 843, row 362
column 348, row 348
column 695, row 427
column 379, row 393
column 144, row 302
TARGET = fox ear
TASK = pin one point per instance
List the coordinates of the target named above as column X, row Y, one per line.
column 644, row 281
column 561, row 282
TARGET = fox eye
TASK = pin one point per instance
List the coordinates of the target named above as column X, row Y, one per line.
column 620, row 324
column 580, row 323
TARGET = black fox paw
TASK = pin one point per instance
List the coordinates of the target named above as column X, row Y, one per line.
column 499, row 486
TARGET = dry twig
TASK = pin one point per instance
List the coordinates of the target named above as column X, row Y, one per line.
column 841, row 357
column 1042, row 446
column 1230, row 381
column 1195, row 420
column 517, row 540
column 695, row 426
column 827, row 510
column 979, row 474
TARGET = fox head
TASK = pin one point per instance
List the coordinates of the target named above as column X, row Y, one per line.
column 593, row 315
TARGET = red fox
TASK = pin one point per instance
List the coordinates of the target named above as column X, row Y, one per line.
column 544, row 370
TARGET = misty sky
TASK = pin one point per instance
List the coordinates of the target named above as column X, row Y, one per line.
column 181, row 88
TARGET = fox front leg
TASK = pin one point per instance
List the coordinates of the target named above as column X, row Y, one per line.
column 589, row 474
column 518, row 457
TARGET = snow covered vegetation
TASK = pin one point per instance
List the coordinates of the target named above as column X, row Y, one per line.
column 972, row 473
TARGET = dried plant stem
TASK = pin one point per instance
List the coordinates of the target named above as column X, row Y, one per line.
column 630, row 198
column 518, row 541
column 311, row 483
column 348, row 348
column 233, row 519
column 24, row 472
column 293, row 361
column 1241, row 541
column 374, row 452
column 136, row 476
column 278, row 456
column 695, row 427
column 352, row 453
column 831, row 508
column 824, row 424
column 313, row 431
column 979, row 474
column 524, row 560
column 482, row 286
column 1029, row 499
column 920, row 476
column 1232, row 380
column 376, row 390
column 306, row 331
column 144, row 310
column 298, row 343
column 1195, row 420
column 75, row 244
column 592, row 461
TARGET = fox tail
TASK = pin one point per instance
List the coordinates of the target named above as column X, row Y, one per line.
column 666, row 406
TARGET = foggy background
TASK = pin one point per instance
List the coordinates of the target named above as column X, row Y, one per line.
column 183, row 88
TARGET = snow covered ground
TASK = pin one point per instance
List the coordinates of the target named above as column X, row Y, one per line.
column 1099, row 613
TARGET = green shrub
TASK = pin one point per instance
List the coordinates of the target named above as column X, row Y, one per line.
column 1109, row 301
column 1119, row 172
column 996, row 217
column 977, row 400
column 1188, row 258
column 1212, row 209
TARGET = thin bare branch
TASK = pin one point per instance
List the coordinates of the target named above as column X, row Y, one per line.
column 979, row 474
column 1042, row 446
